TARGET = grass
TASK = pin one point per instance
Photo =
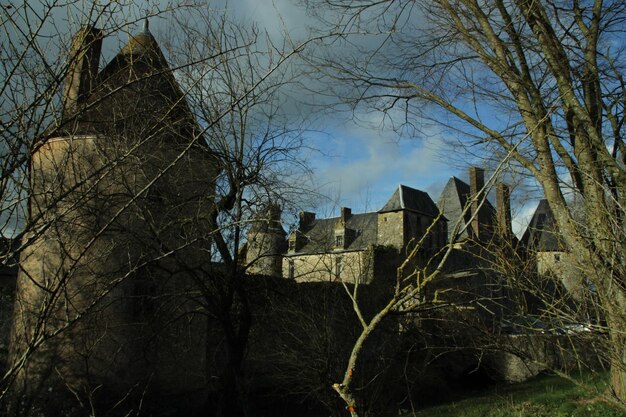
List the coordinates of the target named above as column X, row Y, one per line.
column 546, row 396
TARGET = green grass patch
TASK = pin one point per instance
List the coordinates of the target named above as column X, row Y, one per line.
column 546, row 396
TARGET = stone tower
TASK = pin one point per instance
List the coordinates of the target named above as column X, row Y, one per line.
column 266, row 243
column 406, row 216
column 121, row 192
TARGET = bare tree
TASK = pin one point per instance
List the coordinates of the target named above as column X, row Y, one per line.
column 36, row 63
column 541, row 81
column 257, row 140
column 129, row 177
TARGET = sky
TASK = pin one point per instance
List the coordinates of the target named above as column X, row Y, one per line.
column 357, row 165
column 361, row 164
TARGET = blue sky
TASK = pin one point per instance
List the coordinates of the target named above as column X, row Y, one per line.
column 360, row 165
column 365, row 166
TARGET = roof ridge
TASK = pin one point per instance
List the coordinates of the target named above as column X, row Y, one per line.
column 401, row 196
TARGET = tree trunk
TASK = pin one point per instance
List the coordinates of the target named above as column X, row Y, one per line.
column 618, row 362
column 618, row 377
column 236, row 321
column 231, row 401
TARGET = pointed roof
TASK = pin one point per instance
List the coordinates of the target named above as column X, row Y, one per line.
column 268, row 221
column 141, row 55
column 453, row 200
column 542, row 232
column 407, row 198
column 136, row 96
column 144, row 44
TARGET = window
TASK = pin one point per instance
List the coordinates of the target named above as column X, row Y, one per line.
column 557, row 258
column 339, row 241
column 338, row 268
column 292, row 245
column 292, row 269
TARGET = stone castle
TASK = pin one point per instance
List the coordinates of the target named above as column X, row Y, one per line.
column 347, row 248
column 120, row 224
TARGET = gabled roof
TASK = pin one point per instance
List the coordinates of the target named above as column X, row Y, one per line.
column 407, row 198
column 320, row 233
column 542, row 232
column 453, row 200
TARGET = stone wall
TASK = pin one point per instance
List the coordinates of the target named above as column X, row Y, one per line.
column 302, row 337
column 339, row 266
column 524, row 356
column 391, row 229
column 106, row 272
column 562, row 265
column 7, row 301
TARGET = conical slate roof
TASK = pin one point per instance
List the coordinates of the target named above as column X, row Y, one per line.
column 407, row 198
column 144, row 44
column 268, row 221
column 140, row 56
column 541, row 233
column 136, row 96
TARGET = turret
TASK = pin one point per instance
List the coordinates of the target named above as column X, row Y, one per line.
column 266, row 243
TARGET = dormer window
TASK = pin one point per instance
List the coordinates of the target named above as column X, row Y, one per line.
column 339, row 241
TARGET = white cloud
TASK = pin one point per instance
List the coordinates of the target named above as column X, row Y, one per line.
column 365, row 165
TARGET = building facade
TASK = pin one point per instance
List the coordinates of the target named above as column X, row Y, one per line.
column 350, row 247
column 552, row 258
column 120, row 217
column 358, row 248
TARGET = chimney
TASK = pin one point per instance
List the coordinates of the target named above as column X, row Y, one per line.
column 345, row 215
column 297, row 238
column 503, row 207
column 306, row 218
column 477, row 183
column 82, row 68
column 274, row 213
